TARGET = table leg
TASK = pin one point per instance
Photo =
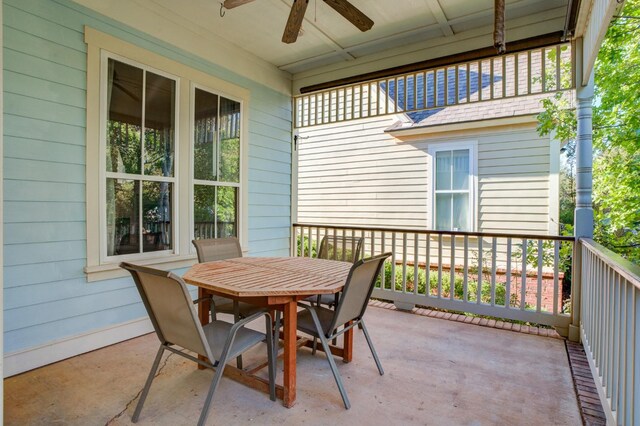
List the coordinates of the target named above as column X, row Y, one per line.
column 348, row 345
column 204, row 309
column 290, row 337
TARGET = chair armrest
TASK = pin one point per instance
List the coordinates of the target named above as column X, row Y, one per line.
column 202, row 299
column 247, row 320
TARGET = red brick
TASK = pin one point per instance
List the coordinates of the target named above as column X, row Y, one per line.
column 447, row 315
column 524, row 329
column 476, row 321
column 534, row 330
column 516, row 327
column 468, row 319
column 491, row 323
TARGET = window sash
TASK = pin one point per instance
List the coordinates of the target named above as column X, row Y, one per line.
column 140, row 178
column 439, row 188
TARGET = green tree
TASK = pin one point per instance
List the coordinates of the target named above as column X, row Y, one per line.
column 616, row 135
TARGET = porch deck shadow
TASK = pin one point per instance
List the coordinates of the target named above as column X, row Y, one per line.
column 436, row 372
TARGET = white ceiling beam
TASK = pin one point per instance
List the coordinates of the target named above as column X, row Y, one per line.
column 438, row 13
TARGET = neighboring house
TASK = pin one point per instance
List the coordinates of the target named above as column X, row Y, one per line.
column 475, row 167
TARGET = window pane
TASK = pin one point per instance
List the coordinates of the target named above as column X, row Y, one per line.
column 461, row 169
column 122, row 217
column 156, row 210
column 443, row 212
column 229, row 140
column 227, row 220
column 159, row 118
column 205, row 153
column 124, row 117
column 461, row 212
column 443, row 170
column 204, row 201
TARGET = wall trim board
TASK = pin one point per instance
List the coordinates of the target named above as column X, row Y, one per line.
column 27, row 359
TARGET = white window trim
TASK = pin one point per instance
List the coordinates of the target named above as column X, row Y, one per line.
column 97, row 267
column 104, row 256
column 472, row 146
column 193, row 181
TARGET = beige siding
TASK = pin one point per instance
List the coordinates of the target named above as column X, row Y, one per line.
column 354, row 173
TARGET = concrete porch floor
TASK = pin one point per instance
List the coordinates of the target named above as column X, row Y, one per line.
column 437, row 372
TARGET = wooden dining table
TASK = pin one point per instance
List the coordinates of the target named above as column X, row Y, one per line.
column 277, row 283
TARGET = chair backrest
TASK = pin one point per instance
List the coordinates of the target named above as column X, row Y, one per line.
column 170, row 309
column 336, row 247
column 357, row 290
column 217, row 249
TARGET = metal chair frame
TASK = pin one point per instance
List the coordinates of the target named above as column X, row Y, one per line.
column 350, row 323
column 217, row 365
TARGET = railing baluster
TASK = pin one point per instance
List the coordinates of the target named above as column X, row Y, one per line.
column 503, row 80
column 558, row 68
column 494, row 250
column 393, row 262
column 523, row 283
column 382, row 250
column 439, row 266
column 404, row 262
column 480, row 273
column 529, row 78
column 427, row 268
column 416, row 266
column 452, row 268
column 516, row 66
column 507, row 290
column 556, row 287
column 540, row 265
column 465, row 278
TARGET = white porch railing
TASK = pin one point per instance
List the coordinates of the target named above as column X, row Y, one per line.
column 516, row 277
column 530, row 72
column 610, row 329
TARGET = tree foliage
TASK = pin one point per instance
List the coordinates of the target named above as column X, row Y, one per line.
column 616, row 134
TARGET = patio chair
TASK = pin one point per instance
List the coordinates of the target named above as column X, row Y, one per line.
column 334, row 247
column 175, row 321
column 323, row 323
column 220, row 249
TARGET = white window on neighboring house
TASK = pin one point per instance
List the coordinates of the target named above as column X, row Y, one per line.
column 139, row 161
column 216, row 164
column 454, row 182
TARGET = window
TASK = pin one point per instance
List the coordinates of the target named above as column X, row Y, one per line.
column 453, row 187
column 139, row 161
column 158, row 159
column 216, row 160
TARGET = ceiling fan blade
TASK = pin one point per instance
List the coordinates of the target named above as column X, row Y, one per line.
column 351, row 14
column 230, row 4
column 294, row 22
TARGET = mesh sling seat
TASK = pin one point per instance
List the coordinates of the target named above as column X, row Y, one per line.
column 322, row 323
column 213, row 249
column 334, row 247
column 176, row 323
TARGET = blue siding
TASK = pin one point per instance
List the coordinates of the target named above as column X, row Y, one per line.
column 46, row 295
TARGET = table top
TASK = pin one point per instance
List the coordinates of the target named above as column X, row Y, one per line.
column 270, row 276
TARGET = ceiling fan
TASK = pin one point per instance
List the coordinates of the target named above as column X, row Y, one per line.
column 292, row 29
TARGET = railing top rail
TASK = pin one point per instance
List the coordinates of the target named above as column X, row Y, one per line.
column 436, row 232
column 628, row 270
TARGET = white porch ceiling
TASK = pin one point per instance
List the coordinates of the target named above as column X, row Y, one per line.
column 329, row 39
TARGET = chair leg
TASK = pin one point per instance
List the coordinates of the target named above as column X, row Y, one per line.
column 236, row 318
column 332, row 363
column 271, row 358
column 334, row 370
column 373, row 351
column 314, row 347
column 276, row 336
column 216, row 378
column 147, row 385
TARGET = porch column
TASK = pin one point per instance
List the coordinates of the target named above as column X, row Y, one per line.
column 583, row 216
